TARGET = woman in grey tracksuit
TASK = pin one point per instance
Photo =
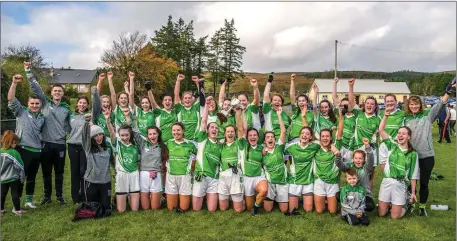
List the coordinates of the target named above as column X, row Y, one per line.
column 76, row 153
column 420, row 122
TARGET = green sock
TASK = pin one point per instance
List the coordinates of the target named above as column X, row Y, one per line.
column 28, row 198
column 422, row 205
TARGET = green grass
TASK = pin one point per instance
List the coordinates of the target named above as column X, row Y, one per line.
column 53, row 221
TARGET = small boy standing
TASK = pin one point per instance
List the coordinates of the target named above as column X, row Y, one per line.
column 352, row 197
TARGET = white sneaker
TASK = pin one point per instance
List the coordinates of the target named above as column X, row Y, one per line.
column 30, row 205
column 18, row 212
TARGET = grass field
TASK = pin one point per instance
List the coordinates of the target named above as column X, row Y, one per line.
column 53, row 221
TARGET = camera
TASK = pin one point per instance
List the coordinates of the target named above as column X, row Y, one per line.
column 148, row 84
column 345, row 109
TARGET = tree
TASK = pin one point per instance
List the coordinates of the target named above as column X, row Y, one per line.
column 214, row 58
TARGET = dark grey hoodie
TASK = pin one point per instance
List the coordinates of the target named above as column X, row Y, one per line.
column 98, row 160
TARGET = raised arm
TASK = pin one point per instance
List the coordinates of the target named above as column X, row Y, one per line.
column 316, row 93
column 205, row 116
column 255, row 87
column 381, row 130
column 96, row 105
column 370, row 156
column 239, row 123
column 266, row 91
column 339, row 132
column 282, row 136
column 335, row 99
column 177, row 88
column 154, row 104
column 101, row 77
column 222, row 93
column 12, row 91
column 111, row 90
column 303, row 115
column 86, row 141
column 110, row 126
column 36, row 89
column 340, row 164
column 292, row 89
column 132, row 91
column 351, row 94
column 201, row 89
column 437, row 108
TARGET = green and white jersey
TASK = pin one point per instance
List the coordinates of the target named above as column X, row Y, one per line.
column 301, row 171
column 272, row 120
column 230, row 154
column 297, row 123
column 190, row 117
column 208, row 155
column 144, row 119
column 394, row 121
column 251, row 158
column 164, row 120
column 253, row 117
column 324, row 166
column 181, row 155
column 322, row 122
column 101, row 121
column 399, row 164
column 119, row 117
column 273, row 163
column 365, row 127
column 348, row 130
column 126, row 157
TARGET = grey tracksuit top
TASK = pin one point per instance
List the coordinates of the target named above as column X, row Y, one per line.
column 98, row 160
column 151, row 155
column 28, row 125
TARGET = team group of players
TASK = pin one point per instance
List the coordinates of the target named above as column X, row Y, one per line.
column 197, row 150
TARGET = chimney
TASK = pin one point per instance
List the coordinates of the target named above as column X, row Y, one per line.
column 52, row 71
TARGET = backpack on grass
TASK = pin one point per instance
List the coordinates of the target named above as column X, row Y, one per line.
column 89, row 210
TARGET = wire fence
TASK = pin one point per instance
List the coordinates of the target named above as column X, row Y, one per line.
column 7, row 124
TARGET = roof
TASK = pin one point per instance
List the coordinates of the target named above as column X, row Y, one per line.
column 73, row 76
column 363, row 86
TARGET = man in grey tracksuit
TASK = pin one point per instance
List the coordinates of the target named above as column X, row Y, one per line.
column 29, row 122
column 56, row 125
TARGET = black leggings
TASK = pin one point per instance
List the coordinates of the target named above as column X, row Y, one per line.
column 31, row 165
column 53, row 155
column 425, row 168
column 100, row 193
column 369, row 204
column 78, row 165
column 16, row 187
column 353, row 220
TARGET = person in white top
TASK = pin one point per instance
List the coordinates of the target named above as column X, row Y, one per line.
column 452, row 119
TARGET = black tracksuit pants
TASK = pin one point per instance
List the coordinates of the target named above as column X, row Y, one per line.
column 100, row 193
column 16, row 187
column 78, row 165
column 31, row 165
column 53, row 156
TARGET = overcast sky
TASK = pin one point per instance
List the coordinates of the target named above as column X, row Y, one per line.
column 278, row 36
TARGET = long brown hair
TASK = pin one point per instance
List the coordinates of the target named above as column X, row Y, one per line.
column 410, row 147
column 145, row 97
column 165, row 154
column 8, row 139
column 331, row 114
column 417, row 100
column 82, row 97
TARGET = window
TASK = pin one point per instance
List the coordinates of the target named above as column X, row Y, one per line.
column 324, row 97
column 381, row 97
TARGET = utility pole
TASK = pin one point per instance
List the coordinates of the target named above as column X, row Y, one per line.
column 336, row 57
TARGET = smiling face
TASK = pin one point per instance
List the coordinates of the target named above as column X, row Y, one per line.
column 167, row 102
column 324, row 108
column 34, row 105
column 106, row 102
column 145, row 105
column 301, row 102
column 351, row 179
column 213, row 130
column 82, row 105
column 305, row 136
column 187, row 99
column 276, row 102
column 125, row 136
column 403, row 136
column 99, row 138
column 212, row 106
column 243, row 100
column 253, row 137
column 414, row 106
column 57, row 93
column 229, row 134
column 153, row 136
column 390, row 102
column 270, row 140
column 370, row 106
column 325, row 138
column 123, row 100
column 177, row 132
column 358, row 159
column 226, row 105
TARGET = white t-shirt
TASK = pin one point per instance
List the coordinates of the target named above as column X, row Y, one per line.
column 453, row 114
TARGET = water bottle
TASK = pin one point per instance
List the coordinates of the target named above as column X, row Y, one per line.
column 439, row 207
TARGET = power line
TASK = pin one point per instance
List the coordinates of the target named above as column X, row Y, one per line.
column 396, row 50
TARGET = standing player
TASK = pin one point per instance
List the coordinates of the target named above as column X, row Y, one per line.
column 252, row 109
column 324, row 117
column 124, row 107
column 301, row 116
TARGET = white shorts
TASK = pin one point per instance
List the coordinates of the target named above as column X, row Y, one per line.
column 392, row 191
column 299, row 190
column 148, row 184
column 127, row 182
column 375, row 155
column 235, row 197
column 322, row 188
column 230, row 183
column 206, row 185
column 178, row 184
column 278, row 192
column 250, row 183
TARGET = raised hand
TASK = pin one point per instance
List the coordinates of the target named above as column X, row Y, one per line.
column 17, row 78
column 315, row 88
column 126, row 87
column 293, row 76
column 279, row 110
column 254, row 83
column 110, row 75
column 131, row 75
column 388, row 110
column 336, row 79
column 195, row 78
column 366, row 142
column 101, row 76
column 351, row 82
column 180, row 77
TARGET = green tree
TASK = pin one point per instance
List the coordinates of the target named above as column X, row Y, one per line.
column 214, row 59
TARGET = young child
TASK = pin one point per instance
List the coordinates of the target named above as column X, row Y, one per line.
column 352, row 197
column 12, row 172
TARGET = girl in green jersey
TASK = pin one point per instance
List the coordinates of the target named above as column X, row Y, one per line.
column 123, row 106
column 251, row 110
column 275, row 169
column 207, row 166
column 325, row 174
column 101, row 107
column 400, row 167
column 232, row 155
column 301, row 116
column 324, row 117
column 164, row 117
